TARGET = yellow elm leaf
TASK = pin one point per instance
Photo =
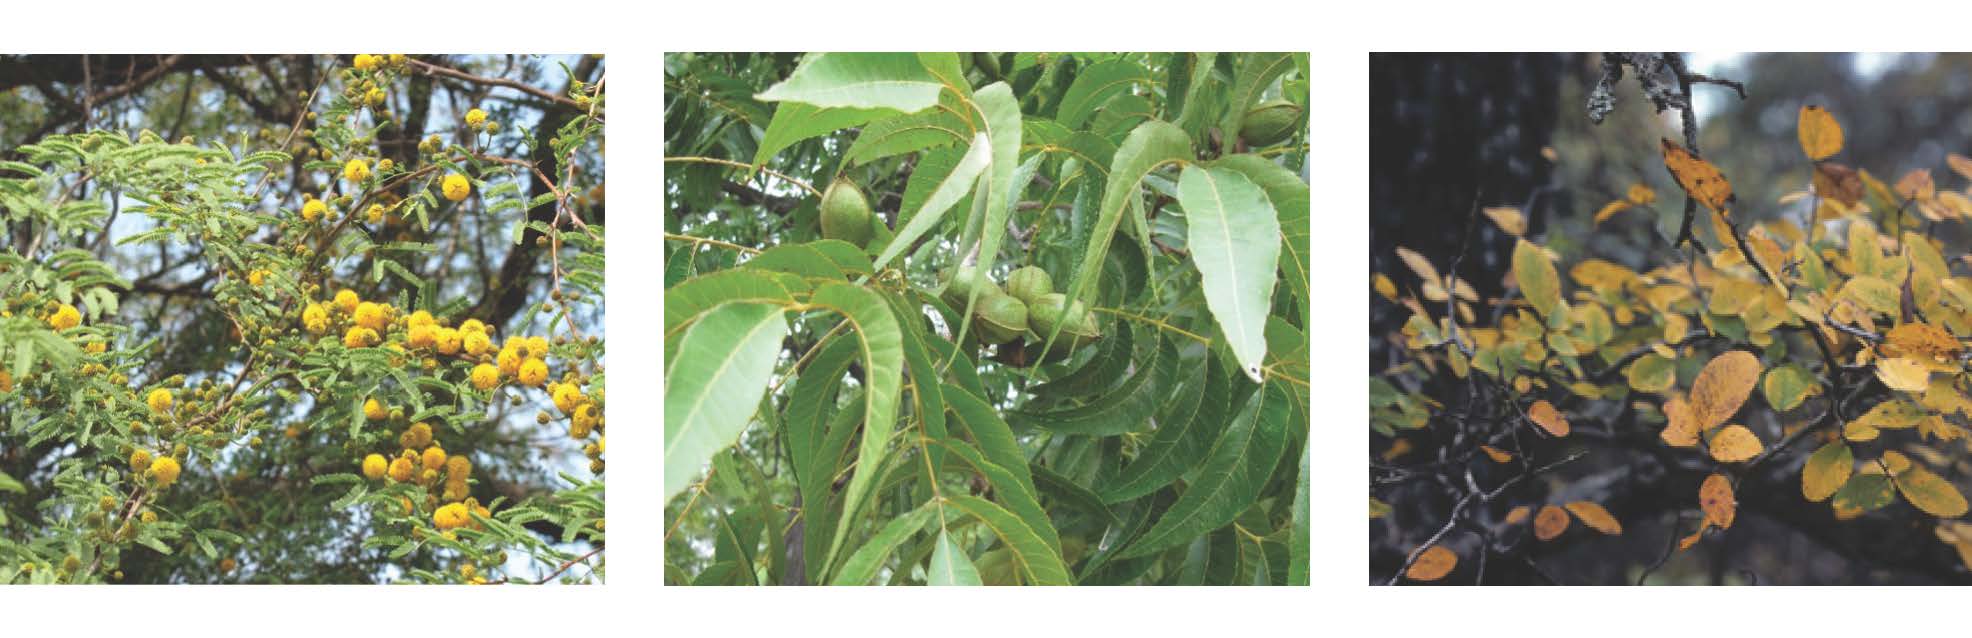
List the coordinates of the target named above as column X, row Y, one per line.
column 1930, row 492
column 1682, row 428
column 1715, row 499
column 1873, row 294
column 1838, row 183
column 1723, row 386
column 1959, row 164
column 1594, row 516
column 1537, row 278
column 1902, row 373
column 1652, row 373
column 1958, row 204
column 1549, row 419
column 1827, row 469
column 1821, row 135
column 1863, row 492
column 1508, row 219
column 1433, row 564
column 1698, row 177
column 1419, row 265
column 1918, row 339
column 1735, row 444
column 1917, row 185
column 1498, row 455
column 1518, row 514
column 1609, row 210
column 1641, row 195
column 1383, row 286
column 1550, row 522
column 1787, row 386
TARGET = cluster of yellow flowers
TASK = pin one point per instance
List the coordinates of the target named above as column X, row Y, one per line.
column 163, row 471
column 64, row 317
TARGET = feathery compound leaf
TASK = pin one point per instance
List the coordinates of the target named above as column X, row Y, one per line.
column 897, row 81
column 1821, row 135
column 1234, row 472
column 714, row 384
column 1235, row 242
column 1536, row 276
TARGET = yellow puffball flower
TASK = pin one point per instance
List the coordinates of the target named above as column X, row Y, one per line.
column 419, row 435
column 397, row 59
column 584, row 421
column 477, row 344
column 451, row 516
column 457, row 467
column 6, row 381
column 356, row 170
column 364, row 62
column 485, row 376
column 456, row 187
column 599, row 448
column 65, row 317
column 314, row 210
column 420, row 318
column 159, row 400
column 400, row 470
column 421, row 336
column 509, row 360
column 475, row 117
column 472, row 325
column 537, row 346
column 359, row 337
column 257, row 277
column 448, row 341
column 96, row 347
column 376, row 213
column 434, row 458
column 315, row 318
column 346, row 300
column 567, row 396
column 140, row 460
column 372, row 315
column 375, row 96
column 374, row 466
column 455, row 492
column 374, row 411
column 533, row 372
column 165, row 471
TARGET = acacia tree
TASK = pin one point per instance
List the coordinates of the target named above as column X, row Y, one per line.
column 1796, row 365
column 301, row 319
column 992, row 318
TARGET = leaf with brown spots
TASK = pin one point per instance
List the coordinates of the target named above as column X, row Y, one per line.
column 1550, row 420
column 1837, row 182
column 1550, row 522
column 1699, row 178
column 1715, row 499
column 1723, row 386
column 1682, row 429
column 1920, row 339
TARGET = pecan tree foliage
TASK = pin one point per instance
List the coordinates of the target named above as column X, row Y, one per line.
column 1805, row 369
column 986, row 319
column 245, row 302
